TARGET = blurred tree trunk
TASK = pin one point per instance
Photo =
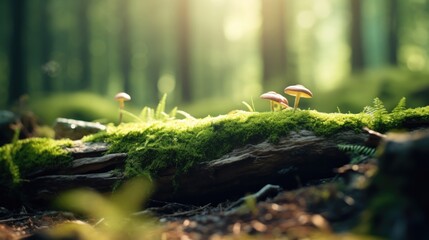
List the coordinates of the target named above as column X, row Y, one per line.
column 46, row 46
column 357, row 54
column 154, row 49
column 125, row 44
column 17, row 53
column 273, row 42
column 184, row 51
column 393, row 31
column 85, row 57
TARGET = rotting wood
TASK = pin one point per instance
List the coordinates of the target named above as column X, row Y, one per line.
column 86, row 149
column 93, row 164
column 292, row 162
column 46, row 188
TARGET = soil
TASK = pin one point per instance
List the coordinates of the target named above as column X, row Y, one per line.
column 326, row 207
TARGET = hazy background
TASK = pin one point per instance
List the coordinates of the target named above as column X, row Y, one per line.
column 68, row 58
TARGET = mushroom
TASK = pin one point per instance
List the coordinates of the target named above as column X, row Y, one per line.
column 298, row 91
column 275, row 98
column 121, row 98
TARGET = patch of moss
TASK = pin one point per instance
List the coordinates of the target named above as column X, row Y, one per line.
column 183, row 143
column 180, row 144
column 19, row 159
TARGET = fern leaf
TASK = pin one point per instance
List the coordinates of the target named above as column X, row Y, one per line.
column 131, row 115
column 402, row 105
column 379, row 106
column 173, row 113
column 357, row 149
column 161, row 107
column 185, row 114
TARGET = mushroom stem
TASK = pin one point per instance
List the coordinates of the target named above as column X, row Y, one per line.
column 295, row 105
column 121, row 106
column 272, row 106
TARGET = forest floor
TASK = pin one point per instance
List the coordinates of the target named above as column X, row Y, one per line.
column 328, row 208
column 325, row 208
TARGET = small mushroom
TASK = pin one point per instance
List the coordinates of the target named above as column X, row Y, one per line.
column 298, row 91
column 275, row 98
column 121, row 98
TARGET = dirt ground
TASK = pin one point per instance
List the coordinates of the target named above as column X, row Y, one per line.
column 330, row 207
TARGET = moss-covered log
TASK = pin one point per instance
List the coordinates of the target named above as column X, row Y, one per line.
column 295, row 160
column 289, row 145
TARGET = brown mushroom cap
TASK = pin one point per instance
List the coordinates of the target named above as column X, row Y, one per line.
column 122, row 97
column 273, row 96
column 298, row 89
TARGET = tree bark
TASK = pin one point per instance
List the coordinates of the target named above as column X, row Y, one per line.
column 85, row 56
column 46, row 46
column 125, row 44
column 273, row 45
column 17, row 53
column 294, row 161
column 184, row 50
column 357, row 51
column 393, row 20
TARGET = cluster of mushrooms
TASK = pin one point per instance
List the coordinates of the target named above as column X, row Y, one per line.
column 279, row 101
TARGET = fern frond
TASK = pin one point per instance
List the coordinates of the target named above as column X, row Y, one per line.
column 146, row 115
column 173, row 113
column 402, row 105
column 357, row 149
column 185, row 114
column 369, row 110
column 161, row 107
column 357, row 153
column 379, row 106
column 131, row 115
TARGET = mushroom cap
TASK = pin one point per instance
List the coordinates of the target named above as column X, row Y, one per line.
column 273, row 96
column 122, row 96
column 294, row 90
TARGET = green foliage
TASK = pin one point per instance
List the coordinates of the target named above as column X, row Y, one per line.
column 79, row 105
column 114, row 213
column 9, row 172
column 377, row 109
column 250, row 108
column 402, row 105
column 22, row 157
column 378, row 113
column 148, row 114
column 358, row 153
column 153, row 146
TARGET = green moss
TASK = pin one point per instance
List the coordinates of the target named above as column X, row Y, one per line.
column 19, row 159
column 183, row 143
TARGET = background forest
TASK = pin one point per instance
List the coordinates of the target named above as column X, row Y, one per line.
column 69, row 58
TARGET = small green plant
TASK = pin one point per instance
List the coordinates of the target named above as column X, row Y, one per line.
column 402, row 105
column 379, row 114
column 115, row 216
column 148, row 114
column 251, row 108
column 358, row 153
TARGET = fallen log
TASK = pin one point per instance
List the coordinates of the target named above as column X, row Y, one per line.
column 292, row 162
column 44, row 189
column 94, row 164
column 295, row 160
